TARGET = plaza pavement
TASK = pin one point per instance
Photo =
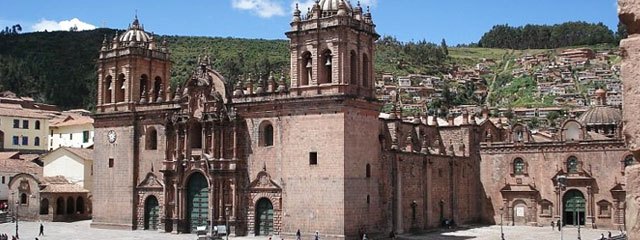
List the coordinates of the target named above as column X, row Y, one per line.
column 81, row 230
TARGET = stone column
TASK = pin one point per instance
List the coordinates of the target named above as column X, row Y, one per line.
column 629, row 14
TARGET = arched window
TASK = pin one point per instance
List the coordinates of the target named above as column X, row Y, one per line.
column 354, row 68
column 120, row 88
column 108, row 87
column 23, row 198
column 365, row 70
column 327, row 63
column 157, row 86
column 629, row 160
column 37, row 124
column 151, row 139
column 306, row 69
column 36, row 141
column 572, row 165
column 266, row 132
column 144, row 89
column 368, row 170
column 518, row 166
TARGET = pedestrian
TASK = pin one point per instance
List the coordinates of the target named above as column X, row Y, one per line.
column 392, row 235
column 609, row 234
column 601, row 236
column 41, row 230
column 298, row 235
column 553, row 225
column 559, row 225
column 317, row 236
column 364, row 237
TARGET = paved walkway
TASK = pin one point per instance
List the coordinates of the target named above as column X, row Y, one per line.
column 81, row 231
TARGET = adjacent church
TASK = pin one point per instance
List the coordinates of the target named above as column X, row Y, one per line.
column 312, row 153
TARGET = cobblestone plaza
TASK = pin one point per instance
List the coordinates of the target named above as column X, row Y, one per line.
column 81, row 230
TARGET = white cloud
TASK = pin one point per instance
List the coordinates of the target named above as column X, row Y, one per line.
column 262, row 8
column 63, row 25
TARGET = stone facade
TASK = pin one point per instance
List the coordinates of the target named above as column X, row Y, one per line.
column 520, row 176
column 628, row 11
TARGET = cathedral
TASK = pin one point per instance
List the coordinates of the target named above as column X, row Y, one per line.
column 312, row 152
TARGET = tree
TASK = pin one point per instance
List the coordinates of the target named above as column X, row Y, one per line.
column 621, row 33
column 443, row 46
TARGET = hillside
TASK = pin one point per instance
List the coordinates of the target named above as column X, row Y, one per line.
column 48, row 65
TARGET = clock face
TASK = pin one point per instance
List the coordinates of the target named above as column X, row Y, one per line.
column 111, row 135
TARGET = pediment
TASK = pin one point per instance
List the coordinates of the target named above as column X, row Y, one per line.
column 151, row 181
column 263, row 182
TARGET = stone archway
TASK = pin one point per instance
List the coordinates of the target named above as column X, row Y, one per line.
column 151, row 213
column 197, row 201
column 264, row 217
column 573, row 208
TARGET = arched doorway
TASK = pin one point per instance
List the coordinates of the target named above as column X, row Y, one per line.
column 264, row 217
column 151, row 213
column 197, row 201
column 80, row 205
column 70, row 206
column 44, row 207
column 519, row 213
column 573, row 208
column 60, row 206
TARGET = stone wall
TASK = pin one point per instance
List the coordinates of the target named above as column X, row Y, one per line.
column 629, row 13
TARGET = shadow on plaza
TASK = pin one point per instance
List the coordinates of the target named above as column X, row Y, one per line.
column 440, row 233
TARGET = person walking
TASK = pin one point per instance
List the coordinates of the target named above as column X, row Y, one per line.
column 553, row 225
column 41, row 230
column 392, row 235
column 317, row 236
column 298, row 235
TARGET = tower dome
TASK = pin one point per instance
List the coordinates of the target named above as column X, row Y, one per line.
column 135, row 33
column 332, row 5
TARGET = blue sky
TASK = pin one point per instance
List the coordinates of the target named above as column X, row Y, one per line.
column 458, row 21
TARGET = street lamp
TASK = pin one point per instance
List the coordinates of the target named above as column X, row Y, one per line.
column 501, row 231
column 226, row 213
column 17, row 207
column 562, row 180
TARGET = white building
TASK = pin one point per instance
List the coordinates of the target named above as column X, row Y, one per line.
column 75, row 164
column 71, row 129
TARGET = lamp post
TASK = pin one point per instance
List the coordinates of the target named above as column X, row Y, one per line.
column 226, row 218
column 17, row 207
column 501, row 231
column 561, row 179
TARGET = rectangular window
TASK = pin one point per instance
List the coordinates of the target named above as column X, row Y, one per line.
column 313, row 158
column 25, row 124
column 16, row 123
column 2, row 179
column 16, row 140
column 110, row 162
column 70, row 136
column 51, row 133
column 85, row 136
column 25, row 141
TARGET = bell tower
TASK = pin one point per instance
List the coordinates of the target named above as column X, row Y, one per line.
column 332, row 50
column 132, row 70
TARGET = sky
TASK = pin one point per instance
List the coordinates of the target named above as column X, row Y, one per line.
column 457, row 21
